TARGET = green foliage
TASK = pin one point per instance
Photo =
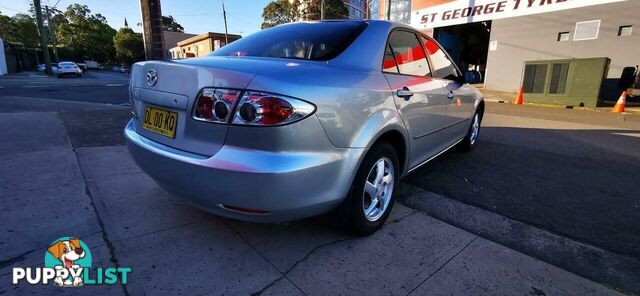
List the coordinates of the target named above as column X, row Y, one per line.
column 170, row 24
column 129, row 46
column 86, row 35
column 280, row 12
column 6, row 25
column 283, row 11
column 333, row 9
column 19, row 28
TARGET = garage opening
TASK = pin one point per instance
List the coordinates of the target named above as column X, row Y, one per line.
column 468, row 45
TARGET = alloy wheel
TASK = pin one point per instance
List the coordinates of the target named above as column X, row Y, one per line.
column 475, row 129
column 378, row 189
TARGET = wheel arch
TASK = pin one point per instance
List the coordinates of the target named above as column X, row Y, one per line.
column 480, row 108
column 398, row 140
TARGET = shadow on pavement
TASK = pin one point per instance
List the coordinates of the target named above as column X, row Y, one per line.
column 582, row 184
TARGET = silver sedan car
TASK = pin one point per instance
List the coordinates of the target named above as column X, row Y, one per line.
column 300, row 120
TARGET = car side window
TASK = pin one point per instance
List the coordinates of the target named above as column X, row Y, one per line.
column 389, row 64
column 408, row 53
column 443, row 67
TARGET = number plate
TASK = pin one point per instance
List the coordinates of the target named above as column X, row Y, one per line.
column 160, row 121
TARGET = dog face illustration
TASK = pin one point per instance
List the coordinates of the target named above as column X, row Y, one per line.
column 67, row 251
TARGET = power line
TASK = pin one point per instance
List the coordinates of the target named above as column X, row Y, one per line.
column 54, row 6
column 11, row 9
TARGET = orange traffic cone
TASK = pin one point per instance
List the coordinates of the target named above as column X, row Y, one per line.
column 520, row 99
column 619, row 107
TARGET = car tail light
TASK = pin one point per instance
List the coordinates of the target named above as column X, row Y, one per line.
column 215, row 105
column 259, row 108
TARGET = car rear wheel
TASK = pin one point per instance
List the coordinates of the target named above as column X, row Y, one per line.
column 371, row 196
column 470, row 140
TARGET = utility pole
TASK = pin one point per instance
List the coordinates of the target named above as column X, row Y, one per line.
column 52, row 30
column 224, row 15
column 43, row 36
column 322, row 10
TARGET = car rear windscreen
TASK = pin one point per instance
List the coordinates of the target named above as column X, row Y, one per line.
column 318, row 41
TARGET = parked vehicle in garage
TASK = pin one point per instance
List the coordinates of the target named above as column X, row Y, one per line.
column 301, row 119
column 68, row 68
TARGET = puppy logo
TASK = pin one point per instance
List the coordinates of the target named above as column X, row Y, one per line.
column 68, row 256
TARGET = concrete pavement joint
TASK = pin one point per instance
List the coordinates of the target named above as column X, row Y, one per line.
column 284, row 275
column 18, row 258
column 158, row 231
column 443, row 265
column 613, row 270
column 105, row 236
column 226, row 222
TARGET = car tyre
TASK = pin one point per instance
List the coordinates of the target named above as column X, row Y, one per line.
column 361, row 215
column 471, row 139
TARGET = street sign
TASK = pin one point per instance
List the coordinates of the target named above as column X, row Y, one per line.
column 454, row 12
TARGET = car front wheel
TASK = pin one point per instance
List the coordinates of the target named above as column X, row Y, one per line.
column 469, row 141
column 371, row 196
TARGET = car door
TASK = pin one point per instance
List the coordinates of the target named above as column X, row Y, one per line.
column 420, row 100
column 461, row 97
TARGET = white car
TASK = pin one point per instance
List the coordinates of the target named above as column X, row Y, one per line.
column 69, row 68
column 54, row 67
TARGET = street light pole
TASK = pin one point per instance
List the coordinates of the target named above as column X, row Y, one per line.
column 52, row 30
column 43, row 36
column 322, row 10
column 224, row 15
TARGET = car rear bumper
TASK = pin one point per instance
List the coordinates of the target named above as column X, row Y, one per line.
column 73, row 72
column 289, row 185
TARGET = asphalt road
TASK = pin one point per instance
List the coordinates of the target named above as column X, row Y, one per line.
column 87, row 186
column 94, row 86
column 571, row 172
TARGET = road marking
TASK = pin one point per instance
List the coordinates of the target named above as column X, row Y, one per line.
column 115, row 84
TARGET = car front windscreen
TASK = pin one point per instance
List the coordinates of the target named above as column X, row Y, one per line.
column 316, row 41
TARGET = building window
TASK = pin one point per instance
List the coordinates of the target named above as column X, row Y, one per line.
column 625, row 31
column 374, row 10
column 563, row 36
column 586, row 30
column 558, row 83
column 534, row 78
column 400, row 11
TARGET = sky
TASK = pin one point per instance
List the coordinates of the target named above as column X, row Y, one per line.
column 196, row 16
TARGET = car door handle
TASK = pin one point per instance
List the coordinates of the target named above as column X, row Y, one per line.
column 451, row 95
column 405, row 93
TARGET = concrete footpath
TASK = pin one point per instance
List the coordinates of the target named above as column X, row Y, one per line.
column 52, row 185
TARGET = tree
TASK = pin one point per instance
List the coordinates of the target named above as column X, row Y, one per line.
column 6, row 26
column 333, row 9
column 23, row 29
column 170, row 24
column 85, row 35
column 280, row 12
column 284, row 11
column 129, row 46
